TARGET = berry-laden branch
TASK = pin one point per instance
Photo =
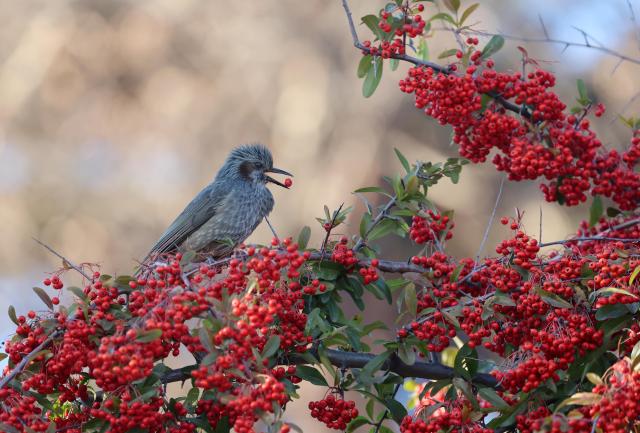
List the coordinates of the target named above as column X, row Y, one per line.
column 521, row 110
column 542, row 340
column 542, row 141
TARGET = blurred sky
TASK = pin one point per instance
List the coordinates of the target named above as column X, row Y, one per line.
column 113, row 115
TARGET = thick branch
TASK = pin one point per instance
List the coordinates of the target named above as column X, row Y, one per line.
column 343, row 359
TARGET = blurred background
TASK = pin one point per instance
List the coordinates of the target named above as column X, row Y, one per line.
column 114, row 114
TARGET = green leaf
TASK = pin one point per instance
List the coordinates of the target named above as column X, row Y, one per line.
column 423, row 50
column 78, row 292
column 383, row 228
column 503, row 299
column 393, row 63
column 187, row 258
column 222, row 426
column 468, row 11
column 581, row 399
column 372, row 79
column 607, row 290
column 447, row 53
column 12, row 315
column 552, row 299
column 192, row 396
column 634, row 274
column 328, row 270
column 372, row 21
column 406, row 353
column 148, row 336
column 582, row 90
column 357, row 422
column 375, row 363
column 452, row 5
column 411, row 299
column 456, row 273
column 491, row 396
column 303, row 237
column 371, row 189
column 595, row 379
column 443, row 16
column 396, row 409
column 465, row 387
column 466, row 362
column 612, row 212
column 607, row 312
column 44, row 297
column 271, row 347
column 311, row 375
column 595, row 211
column 403, row 160
column 493, row 46
column 364, row 65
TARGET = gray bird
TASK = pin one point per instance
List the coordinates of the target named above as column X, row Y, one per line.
column 227, row 210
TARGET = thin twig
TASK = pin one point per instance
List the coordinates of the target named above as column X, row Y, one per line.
column 491, row 218
column 65, row 261
column 386, row 411
column 589, row 238
column 566, row 44
column 333, row 223
column 383, row 212
column 634, row 23
column 28, row 358
column 540, row 228
column 271, row 227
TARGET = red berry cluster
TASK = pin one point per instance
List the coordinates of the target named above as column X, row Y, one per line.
column 401, row 22
column 435, row 226
column 334, row 412
column 546, row 142
column 343, row 254
column 370, row 273
column 455, row 418
column 619, row 407
column 120, row 327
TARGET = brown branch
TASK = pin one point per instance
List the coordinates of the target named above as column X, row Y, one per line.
column 344, row 359
column 28, row 358
column 65, row 261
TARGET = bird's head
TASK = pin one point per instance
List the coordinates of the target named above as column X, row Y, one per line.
column 251, row 163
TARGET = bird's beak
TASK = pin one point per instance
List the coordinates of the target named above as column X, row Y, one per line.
column 277, row 170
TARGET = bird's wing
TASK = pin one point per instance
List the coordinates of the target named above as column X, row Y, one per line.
column 200, row 210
